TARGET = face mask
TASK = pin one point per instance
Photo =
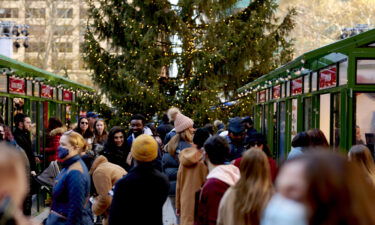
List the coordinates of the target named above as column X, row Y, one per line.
column 62, row 152
column 283, row 211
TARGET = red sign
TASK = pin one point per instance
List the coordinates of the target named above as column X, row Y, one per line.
column 67, row 96
column 297, row 86
column 47, row 91
column 262, row 96
column 328, row 78
column 276, row 91
column 17, row 85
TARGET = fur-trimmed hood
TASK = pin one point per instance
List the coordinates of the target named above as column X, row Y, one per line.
column 98, row 161
column 58, row 131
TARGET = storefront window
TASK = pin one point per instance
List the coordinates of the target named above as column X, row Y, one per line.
column 307, row 114
column 3, row 108
column 314, row 81
column 29, row 88
column 283, row 90
column 328, row 78
column 325, row 115
column 36, row 90
column 364, row 130
column 366, row 71
column 276, row 91
column 3, row 83
column 294, row 118
column 282, row 130
column 288, row 89
column 306, row 83
column 343, row 73
column 18, row 104
column 336, row 120
column 297, row 86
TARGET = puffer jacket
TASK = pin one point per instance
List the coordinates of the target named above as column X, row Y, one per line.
column 170, row 165
column 53, row 142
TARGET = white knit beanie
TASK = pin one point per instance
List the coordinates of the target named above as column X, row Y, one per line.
column 182, row 122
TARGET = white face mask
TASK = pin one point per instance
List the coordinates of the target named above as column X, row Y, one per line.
column 283, row 211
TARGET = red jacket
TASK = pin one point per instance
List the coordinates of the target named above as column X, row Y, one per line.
column 52, row 143
column 271, row 161
column 218, row 181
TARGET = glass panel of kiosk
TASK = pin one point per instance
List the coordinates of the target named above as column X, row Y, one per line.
column 282, row 131
column 325, row 115
column 294, row 118
column 336, row 112
column 365, row 119
column 307, row 114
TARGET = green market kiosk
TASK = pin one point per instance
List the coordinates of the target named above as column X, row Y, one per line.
column 39, row 94
column 331, row 88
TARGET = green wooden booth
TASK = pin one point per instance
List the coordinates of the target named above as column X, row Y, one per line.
column 39, row 94
column 331, row 88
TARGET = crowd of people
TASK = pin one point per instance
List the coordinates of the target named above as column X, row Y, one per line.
column 215, row 174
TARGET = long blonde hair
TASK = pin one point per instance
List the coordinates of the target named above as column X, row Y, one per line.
column 172, row 145
column 254, row 188
column 361, row 155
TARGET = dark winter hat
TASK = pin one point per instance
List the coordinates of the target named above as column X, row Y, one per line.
column 247, row 119
column 236, row 126
column 257, row 138
column 91, row 114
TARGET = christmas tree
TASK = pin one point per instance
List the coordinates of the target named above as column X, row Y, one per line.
column 147, row 55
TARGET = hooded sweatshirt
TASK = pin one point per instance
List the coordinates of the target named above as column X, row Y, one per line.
column 218, row 181
column 191, row 175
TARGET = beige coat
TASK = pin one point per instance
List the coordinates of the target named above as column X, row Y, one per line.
column 104, row 176
column 191, row 176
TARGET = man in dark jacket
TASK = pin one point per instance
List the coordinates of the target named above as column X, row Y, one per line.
column 23, row 139
column 164, row 128
column 236, row 138
column 140, row 195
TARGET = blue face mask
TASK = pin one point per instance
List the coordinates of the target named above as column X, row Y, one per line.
column 62, row 152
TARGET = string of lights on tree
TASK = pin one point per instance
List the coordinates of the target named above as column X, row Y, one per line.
column 129, row 49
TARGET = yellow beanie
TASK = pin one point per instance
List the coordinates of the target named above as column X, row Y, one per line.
column 144, row 148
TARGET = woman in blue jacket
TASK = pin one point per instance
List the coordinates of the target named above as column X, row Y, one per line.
column 72, row 186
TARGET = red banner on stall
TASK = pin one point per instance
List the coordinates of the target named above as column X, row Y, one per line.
column 17, row 85
column 262, row 96
column 47, row 91
column 276, row 91
column 67, row 96
column 297, row 86
column 328, row 78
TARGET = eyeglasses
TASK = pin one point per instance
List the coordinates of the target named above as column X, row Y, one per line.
column 84, row 123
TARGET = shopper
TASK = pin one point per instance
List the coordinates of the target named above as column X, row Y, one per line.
column 191, row 176
column 83, row 129
column 100, row 135
column 140, row 195
column 329, row 187
column 317, row 139
column 164, row 128
column 244, row 202
column 55, row 130
column 361, row 155
column 300, row 143
column 183, row 139
column 171, row 113
column 115, row 150
column 72, row 189
column 13, row 186
column 236, row 138
column 219, row 179
column 104, row 176
column 23, row 139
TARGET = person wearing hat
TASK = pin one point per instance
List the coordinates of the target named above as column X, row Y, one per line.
column 183, row 139
column 139, row 196
column 236, row 138
column 91, row 117
column 250, row 130
column 171, row 114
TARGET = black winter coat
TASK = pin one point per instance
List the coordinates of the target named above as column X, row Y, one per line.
column 116, row 155
column 22, row 137
column 139, row 197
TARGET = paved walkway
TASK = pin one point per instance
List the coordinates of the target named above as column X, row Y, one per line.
column 169, row 217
